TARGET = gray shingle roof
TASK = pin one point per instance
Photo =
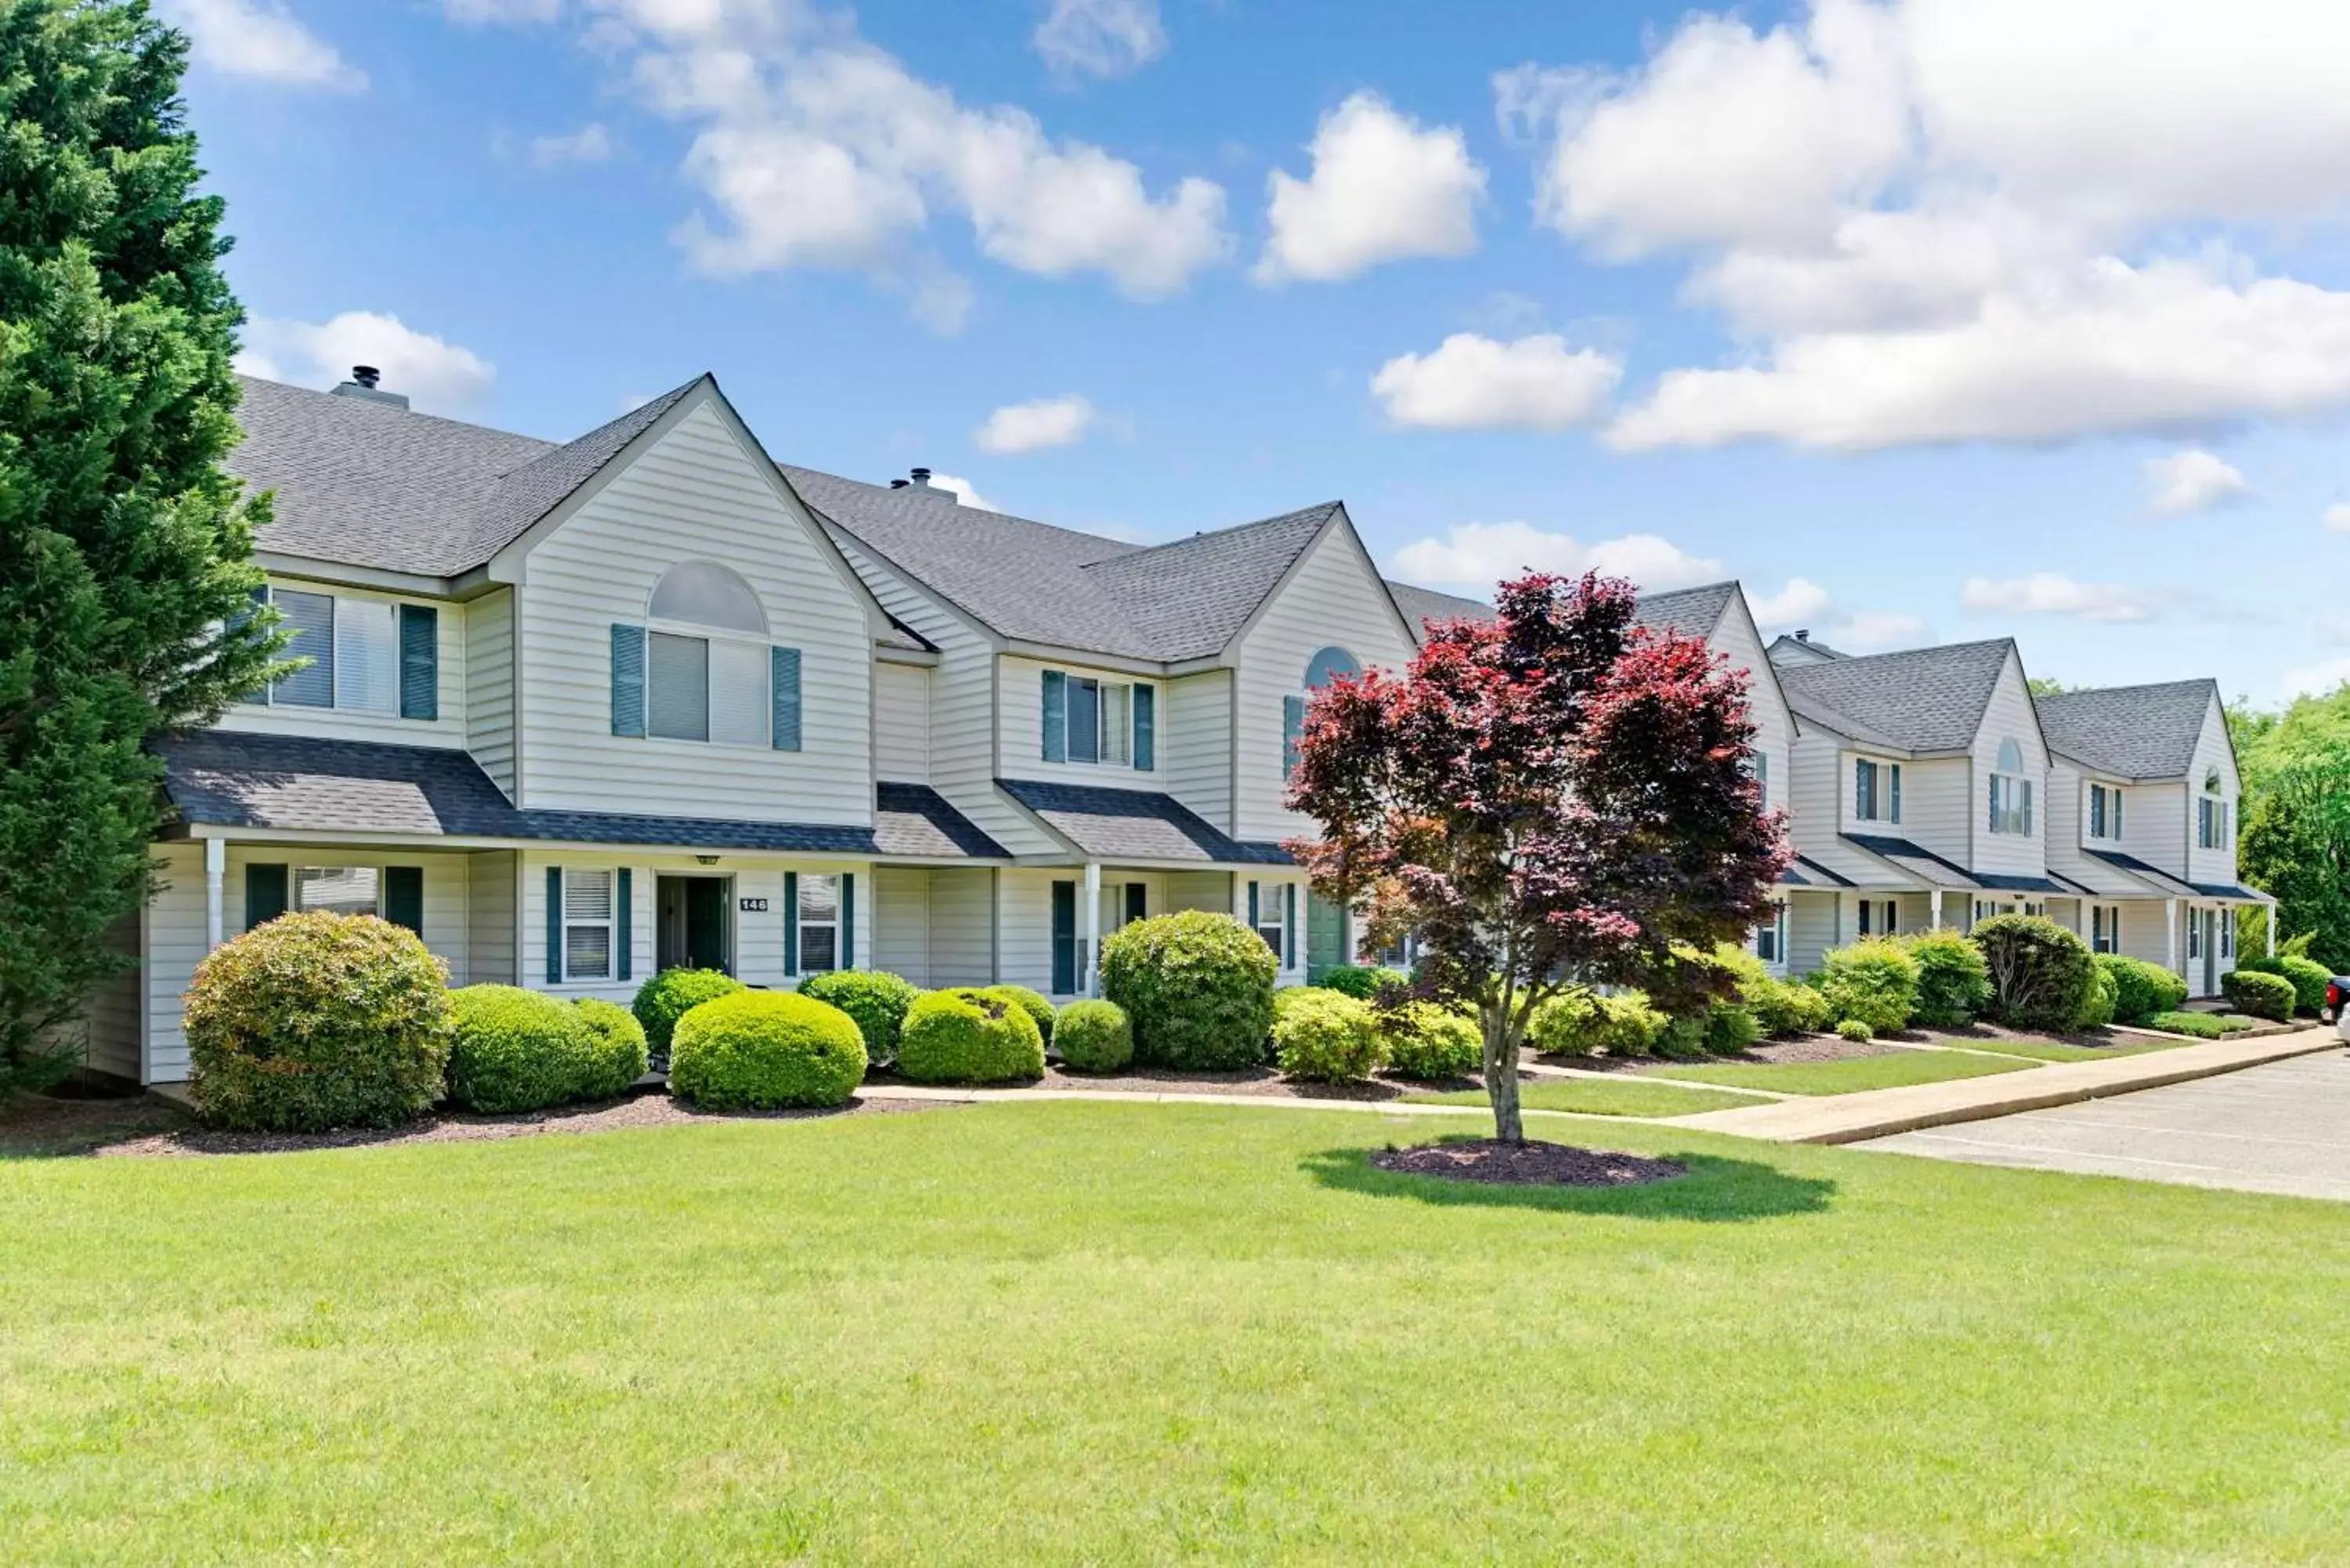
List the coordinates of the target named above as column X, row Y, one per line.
column 1926, row 700
column 1686, row 612
column 1135, row 825
column 229, row 779
column 364, row 483
column 1422, row 605
column 2136, row 731
column 1792, row 649
column 1038, row 583
column 1915, row 858
column 2162, row 881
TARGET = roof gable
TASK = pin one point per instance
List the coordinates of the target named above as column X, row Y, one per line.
column 1924, row 699
column 2132, row 731
column 1423, row 607
column 1685, row 612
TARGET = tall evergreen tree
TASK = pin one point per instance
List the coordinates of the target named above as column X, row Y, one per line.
column 125, row 578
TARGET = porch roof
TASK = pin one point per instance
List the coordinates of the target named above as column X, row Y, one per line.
column 1132, row 825
column 2162, row 882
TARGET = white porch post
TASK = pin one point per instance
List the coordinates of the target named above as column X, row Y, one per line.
column 1345, row 934
column 1089, row 924
column 1934, row 900
column 2271, row 930
column 215, row 881
column 2170, row 936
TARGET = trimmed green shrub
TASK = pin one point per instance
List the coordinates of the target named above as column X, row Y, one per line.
column 1625, row 1024
column 516, row 1050
column 318, row 1020
column 2261, row 995
column 2098, row 1010
column 1953, row 981
column 1361, row 981
column 2201, row 1025
column 1874, row 980
column 1682, row 1038
column 1326, row 1035
column 1032, row 1003
column 2141, row 989
column 2307, row 977
column 2040, row 972
column 970, row 1034
column 616, row 1054
column 1198, row 988
column 1730, row 1028
column 764, row 1050
column 1785, row 1007
column 669, row 995
column 1429, row 1042
column 875, row 998
column 1856, row 1029
column 1580, row 1022
column 1095, row 1036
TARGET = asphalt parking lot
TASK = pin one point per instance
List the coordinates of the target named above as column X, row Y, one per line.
column 2284, row 1127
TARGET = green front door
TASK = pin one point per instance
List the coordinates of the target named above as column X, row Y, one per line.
column 1325, row 938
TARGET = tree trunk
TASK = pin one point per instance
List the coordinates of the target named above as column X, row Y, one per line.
column 1501, row 1076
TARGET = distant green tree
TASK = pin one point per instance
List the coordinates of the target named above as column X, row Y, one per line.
column 2295, row 835
column 2047, row 686
column 124, row 549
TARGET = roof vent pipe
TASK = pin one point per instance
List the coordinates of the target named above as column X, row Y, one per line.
column 1803, row 634
column 920, row 485
column 366, row 382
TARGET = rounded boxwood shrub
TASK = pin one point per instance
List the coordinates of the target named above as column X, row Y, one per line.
column 516, row 1050
column 1361, row 981
column 2261, row 995
column 318, row 1020
column 617, row 1053
column 970, row 1035
column 1953, row 979
column 1198, row 987
column 2141, row 989
column 2307, row 976
column 1730, row 1027
column 672, row 993
column 1874, row 981
column 1431, row 1042
column 1034, row 1003
column 2039, row 970
column 1856, row 1029
column 1784, row 1007
column 764, row 1051
column 1095, row 1036
column 1326, row 1035
column 2098, row 1010
column 875, row 998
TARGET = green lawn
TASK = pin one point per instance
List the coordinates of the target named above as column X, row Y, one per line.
column 1602, row 1097
column 1085, row 1333
column 1890, row 1071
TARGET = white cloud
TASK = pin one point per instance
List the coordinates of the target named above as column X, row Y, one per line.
column 2337, row 518
column 2053, row 593
column 1955, row 220
column 262, row 41
column 2193, row 481
column 1473, row 382
column 1381, row 188
column 963, row 492
column 1100, row 37
column 1799, row 602
column 815, row 149
column 437, row 376
column 591, row 144
column 2315, row 679
column 1478, row 555
column 1802, row 603
column 1870, row 629
column 1033, row 426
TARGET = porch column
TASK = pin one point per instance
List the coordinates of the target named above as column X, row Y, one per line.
column 2271, row 930
column 2170, row 936
column 1090, row 928
column 215, row 880
column 1934, row 900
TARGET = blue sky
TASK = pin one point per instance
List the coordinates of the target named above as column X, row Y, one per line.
column 1929, row 319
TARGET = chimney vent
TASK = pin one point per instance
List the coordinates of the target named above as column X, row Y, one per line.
column 1803, row 634
column 366, row 382
column 920, row 485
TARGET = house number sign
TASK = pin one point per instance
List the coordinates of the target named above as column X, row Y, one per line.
column 755, row 905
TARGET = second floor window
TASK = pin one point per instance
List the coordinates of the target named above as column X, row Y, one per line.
column 1087, row 719
column 2011, row 794
column 710, row 674
column 1327, row 665
column 1876, row 791
column 2211, row 816
column 365, row 655
column 2105, row 811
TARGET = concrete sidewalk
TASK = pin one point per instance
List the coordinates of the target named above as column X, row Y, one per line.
column 1879, row 1113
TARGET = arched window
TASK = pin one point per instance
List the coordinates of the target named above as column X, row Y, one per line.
column 2010, row 792
column 1327, row 666
column 707, row 594
column 1321, row 669
column 2211, row 781
column 2011, row 756
column 2211, row 814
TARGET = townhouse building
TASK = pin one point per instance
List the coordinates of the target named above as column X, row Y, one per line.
column 578, row 712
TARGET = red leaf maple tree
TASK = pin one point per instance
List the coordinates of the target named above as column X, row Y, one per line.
column 1553, row 798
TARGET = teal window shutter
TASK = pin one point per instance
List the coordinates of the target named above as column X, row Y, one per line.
column 1293, row 727
column 555, row 925
column 1138, row 900
column 783, row 689
column 1056, row 716
column 1897, row 792
column 1253, row 919
column 847, row 920
column 403, row 896
column 1064, row 938
column 623, row 926
column 628, row 680
column 1145, row 727
column 264, row 894
column 1289, row 923
column 419, row 661
column 791, row 922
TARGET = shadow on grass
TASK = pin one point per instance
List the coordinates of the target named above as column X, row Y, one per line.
column 1715, row 1190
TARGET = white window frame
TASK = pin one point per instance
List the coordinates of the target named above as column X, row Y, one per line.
column 713, row 639
column 294, row 893
column 609, row 925
column 2106, row 928
column 1072, row 684
column 2194, row 934
column 336, row 661
column 2103, row 813
column 810, row 881
column 1775, row 928
column 2227, row 924
column 2010, row 817
column 1884, row 791
column 1271, row 906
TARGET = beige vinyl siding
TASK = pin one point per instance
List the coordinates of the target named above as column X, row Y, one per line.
column 901, row 922
column 1775, row 727
column 1195, row 890
column 1333, row 597
column 1821, row 778
column 1024, row 929
column 696, row 495
column 2010, row 714
column 1812, row 929
column 347, row 724
column 2142, row 935
column 490, row 892
column 1195, row 746
column 962, row 926
column 901, row 723
column 490, row 686
column 2157, row 824
column 110, row 1027
column 1933, row 802
column 1020, row 723
column 2214, row 865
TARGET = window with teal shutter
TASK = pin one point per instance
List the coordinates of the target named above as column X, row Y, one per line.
column 555, row 925
column 847, row 920
column 624, row 932
column 628, row 680
column 791, row 922
column 1145, row 726
column 1055, row 718
column 1289, row 924
column 784, row 681
column 1064, row 938
column 419, row 661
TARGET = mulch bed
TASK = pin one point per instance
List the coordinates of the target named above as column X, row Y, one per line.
column 1247, row 1083
column 1529, row 1163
